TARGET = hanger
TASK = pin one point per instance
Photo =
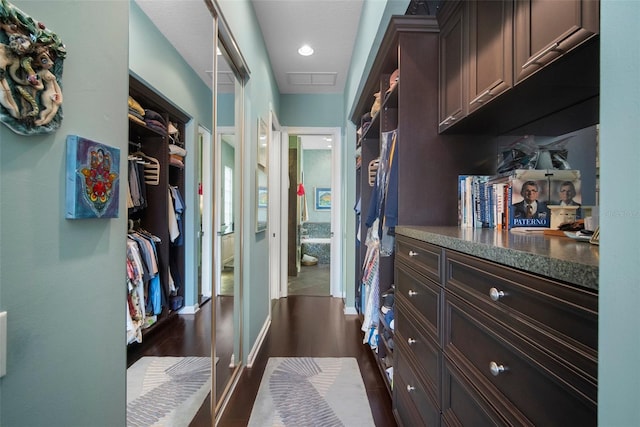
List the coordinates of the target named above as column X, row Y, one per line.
column 151, row 168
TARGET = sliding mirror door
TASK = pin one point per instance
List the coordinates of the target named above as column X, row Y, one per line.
column 229, row 77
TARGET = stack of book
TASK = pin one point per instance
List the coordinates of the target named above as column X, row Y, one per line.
column 519, row 198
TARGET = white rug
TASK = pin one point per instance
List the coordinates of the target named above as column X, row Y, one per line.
column 166, row 391
column 306, row 391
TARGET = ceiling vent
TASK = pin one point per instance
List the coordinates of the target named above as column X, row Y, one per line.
column 312, row 79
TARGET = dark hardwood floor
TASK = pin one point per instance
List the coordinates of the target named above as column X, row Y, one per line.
column 308, row 326
column 301, row 326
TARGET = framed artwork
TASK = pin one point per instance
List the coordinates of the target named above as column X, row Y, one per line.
column 262, row 200
column 262, row 177
column 262, row 197
column 323, row 198
column 92, row 172
column 263, row 142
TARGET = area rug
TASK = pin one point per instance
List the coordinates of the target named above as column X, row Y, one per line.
column 166, row 391
column 305, row 391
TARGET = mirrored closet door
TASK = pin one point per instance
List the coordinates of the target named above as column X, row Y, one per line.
column 229, row 79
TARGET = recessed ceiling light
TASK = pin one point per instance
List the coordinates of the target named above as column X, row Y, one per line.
column 305, row 50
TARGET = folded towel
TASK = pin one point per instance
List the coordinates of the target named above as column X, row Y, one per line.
column 174, row 149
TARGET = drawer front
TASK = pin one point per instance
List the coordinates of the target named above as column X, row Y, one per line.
column 558, row 317
column 515, row 370
column 462, row 404
column 412, row 404
column 424, row 257
column 425, row 351
column 422, row 296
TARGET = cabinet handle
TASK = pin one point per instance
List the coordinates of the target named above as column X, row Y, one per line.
column 482, row 95
column 495, row 294
column 448, row 120
column 496, row 369
column 412, row 293
column 533, row 60
column 410, row 388
column 412, row 253
column 411, row 341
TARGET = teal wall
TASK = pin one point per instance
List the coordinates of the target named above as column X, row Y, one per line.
column 62, row 281
column 301, row 110
column 316, row 165
column 153, row 59
column 619, row 325
column 226, row 109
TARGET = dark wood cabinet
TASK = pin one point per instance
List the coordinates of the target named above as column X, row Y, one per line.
column 423, row 159
column 544, row 30
column 453, row 64
column 490, row 51
column 491, row 344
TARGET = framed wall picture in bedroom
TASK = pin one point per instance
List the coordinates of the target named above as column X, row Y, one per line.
column 323, row 199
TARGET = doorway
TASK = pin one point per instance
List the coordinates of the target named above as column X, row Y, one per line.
column 314, row 242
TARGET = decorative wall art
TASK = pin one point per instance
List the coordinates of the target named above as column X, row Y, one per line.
column 262, row 177
column 92, row 179
column 30, row 73
column 323, row 199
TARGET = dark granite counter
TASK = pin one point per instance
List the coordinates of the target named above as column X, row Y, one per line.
column 556, row 257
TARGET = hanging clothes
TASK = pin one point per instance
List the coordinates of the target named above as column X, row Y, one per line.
column 371, row 282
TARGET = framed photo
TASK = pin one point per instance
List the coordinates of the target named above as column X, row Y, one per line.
column 323, row 199
column 262, row 200
column 93, row 176
column 262, row 177
column 262, row 197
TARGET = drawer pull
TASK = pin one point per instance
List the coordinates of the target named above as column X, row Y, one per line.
column 411, row 341
column 410, row 388
column 412, row 253
column 412, row 293
column 495, row 294
column 496, row 369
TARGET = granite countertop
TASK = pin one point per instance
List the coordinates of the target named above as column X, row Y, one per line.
column 556, row 257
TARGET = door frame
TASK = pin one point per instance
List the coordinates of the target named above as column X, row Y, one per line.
column 277, row 223
column 335, row 288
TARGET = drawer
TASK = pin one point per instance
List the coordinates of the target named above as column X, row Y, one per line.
column 560, row 318
column 424, row 257
column 513, row 370
column 424, row 351
column 421, row 295
column 463, row 404
column 412, row 404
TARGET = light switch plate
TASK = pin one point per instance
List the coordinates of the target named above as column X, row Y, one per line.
column 3, row 344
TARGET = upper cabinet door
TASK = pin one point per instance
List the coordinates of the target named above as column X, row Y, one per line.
column 547, row 29
column 490, row 51
column 453, row 54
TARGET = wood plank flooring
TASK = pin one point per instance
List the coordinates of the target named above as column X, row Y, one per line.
column 308, row 326
column 301, row 326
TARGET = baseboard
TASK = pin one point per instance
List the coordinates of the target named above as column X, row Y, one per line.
column 259, row 340
column 189, row 309
column 350, row 310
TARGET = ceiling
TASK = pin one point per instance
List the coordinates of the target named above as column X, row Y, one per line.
column 328, row 26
